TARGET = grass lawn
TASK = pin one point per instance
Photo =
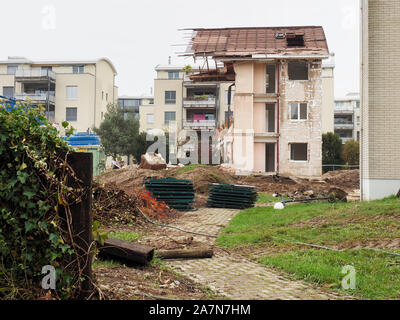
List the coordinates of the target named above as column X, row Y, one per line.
column 340, row 225
column 268, row 198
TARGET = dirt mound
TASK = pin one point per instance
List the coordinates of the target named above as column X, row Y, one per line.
column 345, row 179
column 202, row 177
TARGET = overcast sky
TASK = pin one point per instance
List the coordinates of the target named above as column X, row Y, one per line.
column 138, row 35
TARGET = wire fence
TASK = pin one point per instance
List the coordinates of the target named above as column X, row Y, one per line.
column 334, row 167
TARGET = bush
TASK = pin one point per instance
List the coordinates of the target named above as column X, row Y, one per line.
column 32, row 186
column 331, row 149
column 351, row 152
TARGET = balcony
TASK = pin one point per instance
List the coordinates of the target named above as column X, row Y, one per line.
column 199, row 124
column 344, row 110
column 39, row 98
column 199, row 102
column 344, row 125
column 35, row 75
column 344, row 140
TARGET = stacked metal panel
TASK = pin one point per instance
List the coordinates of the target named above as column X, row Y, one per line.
column 232, row 196
column 177, row 194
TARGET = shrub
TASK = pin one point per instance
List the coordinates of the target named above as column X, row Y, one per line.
column 32, row 187
column 351, row 152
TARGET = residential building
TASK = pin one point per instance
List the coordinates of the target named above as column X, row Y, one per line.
column 278, row 94
column 348, row 117
column 328, row 94
column 191, row 104
column 380, row 83
column 75, row 91
column 132, row 104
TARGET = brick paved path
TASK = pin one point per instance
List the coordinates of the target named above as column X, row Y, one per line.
column 231, row 274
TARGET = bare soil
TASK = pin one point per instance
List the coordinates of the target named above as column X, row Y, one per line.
column 132, row 177
column 144, row 283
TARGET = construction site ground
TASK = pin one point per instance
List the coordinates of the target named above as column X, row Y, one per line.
column 229, row 274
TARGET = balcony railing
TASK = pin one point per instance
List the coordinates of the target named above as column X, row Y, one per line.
column 344, row 109
column 193, row 102
column 199, row 124
column 35, row 73
column 35, row 97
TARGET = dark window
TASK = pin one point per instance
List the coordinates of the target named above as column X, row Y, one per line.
column 47, row 68
column 295, row 40
column 270, row 83
column 358, row 135
column 298, row 151
column 226, row 116
column 77, row 69
column 298, row 111
column 170, row 97
column 8, row 92
column 71, row 114
column 298, row 70
column 169, row 116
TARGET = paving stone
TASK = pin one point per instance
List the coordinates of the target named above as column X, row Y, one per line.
column 233, row 275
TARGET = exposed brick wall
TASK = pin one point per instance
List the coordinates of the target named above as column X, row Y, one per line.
column 309, row 131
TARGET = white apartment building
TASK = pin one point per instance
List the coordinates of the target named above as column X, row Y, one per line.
column 192, row 104
column 348, row 117
column 75, row 91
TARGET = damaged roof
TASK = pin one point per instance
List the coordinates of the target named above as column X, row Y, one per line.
column 247, row 42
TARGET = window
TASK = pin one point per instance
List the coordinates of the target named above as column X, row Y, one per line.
column 8, row 92
column 12, row 68
column 72, row 92
column 340, row 104
column 46, row 68
column 358, row 135
column 232, row 96
column 150, row 118
column 173, row 75
column 298, row 70
column 295, row 40
column 169, row 116
column 77, row 69
column 358, row 104
column 151, row 101
column 358, row 120
column 298, row 152
column 71, row 114
column 270, row 79
column 106, row 96
column 298, row 111
column 170, row 97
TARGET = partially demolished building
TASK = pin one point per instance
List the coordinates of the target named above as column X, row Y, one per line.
column 278, row 94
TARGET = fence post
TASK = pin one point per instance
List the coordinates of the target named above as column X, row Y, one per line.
column 82, row 164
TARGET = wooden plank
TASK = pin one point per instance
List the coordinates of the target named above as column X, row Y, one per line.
column 81, row 216
column 129, row 251
column 185, row 254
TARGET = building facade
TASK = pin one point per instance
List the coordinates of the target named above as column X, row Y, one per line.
column 131, row 105
column 75, row 91
column 278, row 95
column 380, row 83
column 348, row 117
column 192, row 105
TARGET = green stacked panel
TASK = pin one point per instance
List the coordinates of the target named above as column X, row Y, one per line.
column 232, row 196
column 177, row 194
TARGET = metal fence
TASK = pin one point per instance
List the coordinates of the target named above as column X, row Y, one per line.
column 334, row 167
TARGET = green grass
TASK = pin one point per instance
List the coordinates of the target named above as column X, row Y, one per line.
column 268, row 198
column 106, row 263
column 126, row 235
column 338, row 224
column 190, row 167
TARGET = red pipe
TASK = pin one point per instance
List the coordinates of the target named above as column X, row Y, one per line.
column 278, row 67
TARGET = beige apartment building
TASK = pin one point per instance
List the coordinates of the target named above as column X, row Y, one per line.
column 193, row 105
column 348, row 117
column 278, row 74
column 380, row 83
column 75, row 91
